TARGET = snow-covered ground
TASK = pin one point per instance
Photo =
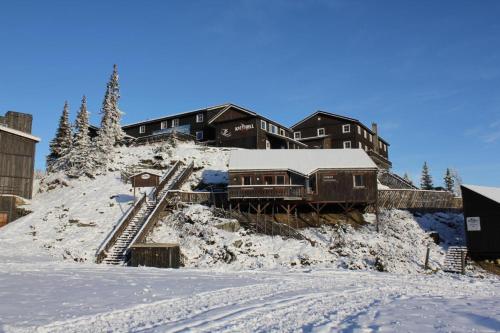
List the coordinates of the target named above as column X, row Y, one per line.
column 235, row 281
column 91, row 298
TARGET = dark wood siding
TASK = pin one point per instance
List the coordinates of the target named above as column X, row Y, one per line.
column 338, row 186
column 155, row 255
column 486, row 242
column 17, row 156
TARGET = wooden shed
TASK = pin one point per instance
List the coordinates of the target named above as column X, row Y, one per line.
column 162, row 255
column 303, row 175
column 482, row 220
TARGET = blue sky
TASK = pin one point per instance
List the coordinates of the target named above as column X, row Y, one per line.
column 427, row 71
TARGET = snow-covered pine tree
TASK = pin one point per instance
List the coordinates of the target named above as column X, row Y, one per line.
column 449, row 183
column 426, row 179
column 110, row 132
column 61, row 144
column 81, row 157
column 457, row 182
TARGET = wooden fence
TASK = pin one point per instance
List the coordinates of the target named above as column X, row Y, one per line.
column 417, row 199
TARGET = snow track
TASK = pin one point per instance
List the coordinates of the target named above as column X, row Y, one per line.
column 275, row 301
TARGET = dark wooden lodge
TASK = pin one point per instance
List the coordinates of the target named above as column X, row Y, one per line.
column 225, row 125
column 326, row 130
column 17, row 162
column 481, row 207
column 333, row 176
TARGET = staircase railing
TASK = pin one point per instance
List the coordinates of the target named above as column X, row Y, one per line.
column 128, row 216
column 160, row 206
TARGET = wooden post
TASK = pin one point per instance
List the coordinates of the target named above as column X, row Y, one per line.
column 462, row 261
column 427, row 253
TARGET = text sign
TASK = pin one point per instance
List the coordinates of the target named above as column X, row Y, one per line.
column 474, row 223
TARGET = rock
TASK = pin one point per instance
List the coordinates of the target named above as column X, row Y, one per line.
column 238, row 243
column 230, row 225
column 435, row 236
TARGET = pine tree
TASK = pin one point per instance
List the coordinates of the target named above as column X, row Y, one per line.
column 407, row 178
column 61, row 144
column 426, row 179
column 110, row 132
column 81, row 159
column 449, row 183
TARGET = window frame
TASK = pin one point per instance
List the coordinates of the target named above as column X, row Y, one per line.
column 263, row 125
column 363, row 184
column 164, row 124
column 319, row 129
column 199, row 117
column 371, row 137
column 175, row 122
column 344, row 126
column 269, row 177
column 142, row 129
column 347, row 142
column 297, row 137
column 280, row 176
column 282, row 132
column 359, row 129
column 243, row 180
column 199, row 132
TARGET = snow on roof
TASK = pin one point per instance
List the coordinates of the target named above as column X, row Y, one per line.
column 16, row 132
column 492, row 193
column 304, row 161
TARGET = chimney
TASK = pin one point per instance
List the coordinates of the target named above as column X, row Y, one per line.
column 375, row 137
column 18, row 121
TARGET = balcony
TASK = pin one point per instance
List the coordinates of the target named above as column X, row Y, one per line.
column 288, row 192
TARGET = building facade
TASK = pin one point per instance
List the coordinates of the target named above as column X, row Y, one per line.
column 17, row 162
column 326, row 130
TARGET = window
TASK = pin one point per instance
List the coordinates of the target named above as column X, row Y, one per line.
column 175, row 122
column 199, row 118
column 296, row 135
column 268, row 180
column 142, row 129
column 359, row 181
column 321, row 131
column 282, row 132
column 364, row 133
column 280, row 180
column 371, row 138
column 385, row 147
column 199, row 135
column 268, row 144
column 346, row 128
column 347, row 144
column 366, row 148
column 273, row 129
column 359, row 130
column 380, row 144
column 263, row 125
column 360, row 145
column 163, row 124
column 246, row 180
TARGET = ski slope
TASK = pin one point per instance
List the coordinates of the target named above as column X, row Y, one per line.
column 65, row 297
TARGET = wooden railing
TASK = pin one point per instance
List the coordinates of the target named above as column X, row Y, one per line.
column 265, row 191
column 118, row 230
column 160, row 207
column 129, row 215
column 417, row 199
column 217, row 198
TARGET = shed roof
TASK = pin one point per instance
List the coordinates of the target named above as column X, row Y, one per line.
column 19, row 133
column 304, row 161
column 492, row 193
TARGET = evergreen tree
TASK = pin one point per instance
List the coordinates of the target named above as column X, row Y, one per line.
column 457, row 182
column 62, row 142
column 426, row 179
column 110, row 132
column 449, row 182
column 407, row 178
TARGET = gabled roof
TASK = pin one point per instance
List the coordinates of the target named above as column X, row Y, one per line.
column 303, row 161
column 492, row 193
column 19, row 133
column 333, row 115
column 231, row 106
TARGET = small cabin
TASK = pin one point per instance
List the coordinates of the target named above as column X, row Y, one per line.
column 482, row 220
column 307, row 175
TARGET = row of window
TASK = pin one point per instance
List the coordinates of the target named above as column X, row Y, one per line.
column 173, row 123
column 358, row 180
column 271, row 128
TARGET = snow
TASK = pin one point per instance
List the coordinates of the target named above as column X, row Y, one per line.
column 96, row 298
column 304, row 161
column 492, row 193
column 19, row 133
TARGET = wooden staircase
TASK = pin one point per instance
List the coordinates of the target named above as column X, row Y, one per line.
column 453, row 259
column 141, row 217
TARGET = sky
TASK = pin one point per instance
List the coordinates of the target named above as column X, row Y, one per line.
column 428, row 72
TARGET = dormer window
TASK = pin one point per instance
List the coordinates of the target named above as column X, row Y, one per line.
column 346, row 128
column 199, row 118
column 297, row 135
column 321, row 131
column 142, row 129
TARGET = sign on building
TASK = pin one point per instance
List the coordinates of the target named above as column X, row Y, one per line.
column 474, row 223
